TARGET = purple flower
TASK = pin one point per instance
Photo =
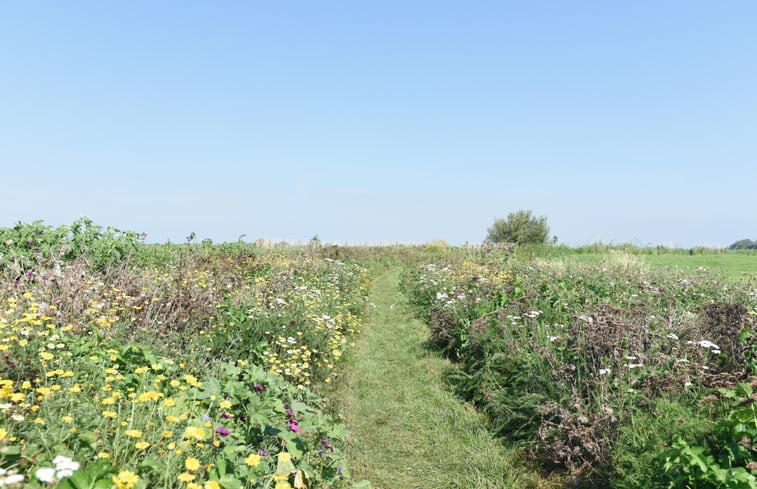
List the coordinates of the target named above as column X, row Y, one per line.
column 263, row 453
column 294, row 426
column 222, row 431
column 226, row 415
column 259, row 388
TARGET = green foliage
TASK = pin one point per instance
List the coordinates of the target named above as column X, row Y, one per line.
column 638, row 457
column 727, row 459
column 519, row 228
column 212, row 353
column 579, row 362
column 31, row 246
column 744, row 244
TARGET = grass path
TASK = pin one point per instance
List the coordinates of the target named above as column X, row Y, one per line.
column 406, row 430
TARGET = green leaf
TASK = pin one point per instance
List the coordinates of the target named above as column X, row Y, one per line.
column 87, row 437
column 230, row 482
column 10, row 450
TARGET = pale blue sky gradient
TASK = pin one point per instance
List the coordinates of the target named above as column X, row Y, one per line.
column 395, row 121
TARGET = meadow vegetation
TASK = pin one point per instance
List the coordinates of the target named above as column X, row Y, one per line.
column 207, row 366
column 612, row 374
column 125, row 365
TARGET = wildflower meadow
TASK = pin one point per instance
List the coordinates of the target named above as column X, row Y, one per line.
column 128, row 365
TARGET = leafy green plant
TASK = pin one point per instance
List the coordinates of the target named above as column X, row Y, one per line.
column 728, row 459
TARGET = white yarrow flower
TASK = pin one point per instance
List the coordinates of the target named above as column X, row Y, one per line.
column 45, row 474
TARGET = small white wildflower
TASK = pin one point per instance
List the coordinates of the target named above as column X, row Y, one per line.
column 552, row 339
column 17, row 417
column 45, row 474
column 672, row 336
column 604, row 371
column 708, row 344
column 291, row 340
column 688, row 384
column 12, row 479
column 633, row 365
column 716, row 352
column 63, row 473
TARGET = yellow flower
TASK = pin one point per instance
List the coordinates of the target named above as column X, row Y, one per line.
column 67, row 419
column 169, row 402
column 186, row 477
column 285, row 457
column 3, row 433
column 141, row 445
column 212, row 485
column 192, row 464
column 192, row 380
column 194, row 432
column 126, row 479
column 110, row 414
column 224, row 404
column 252, row 460
column 103, row 455
column 282, row 485
column 133, row 433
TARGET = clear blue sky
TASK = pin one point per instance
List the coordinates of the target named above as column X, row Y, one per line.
column 395, row 121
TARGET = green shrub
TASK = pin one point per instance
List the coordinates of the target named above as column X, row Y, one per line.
column 519, row 228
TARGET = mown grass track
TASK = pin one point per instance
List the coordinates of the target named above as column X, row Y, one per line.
column 406, row 429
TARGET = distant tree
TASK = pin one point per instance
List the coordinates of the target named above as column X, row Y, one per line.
column 744, row 244
column 519, row 228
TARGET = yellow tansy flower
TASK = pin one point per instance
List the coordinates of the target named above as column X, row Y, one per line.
column 252, row 460
column 186, row 477
column 192, row 464
column 126, row 479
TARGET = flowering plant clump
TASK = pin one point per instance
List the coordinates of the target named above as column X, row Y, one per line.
column 188, row 366
column 575, row 360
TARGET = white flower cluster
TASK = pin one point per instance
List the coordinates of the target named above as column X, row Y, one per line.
column 9, row 478
column 64, row 467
